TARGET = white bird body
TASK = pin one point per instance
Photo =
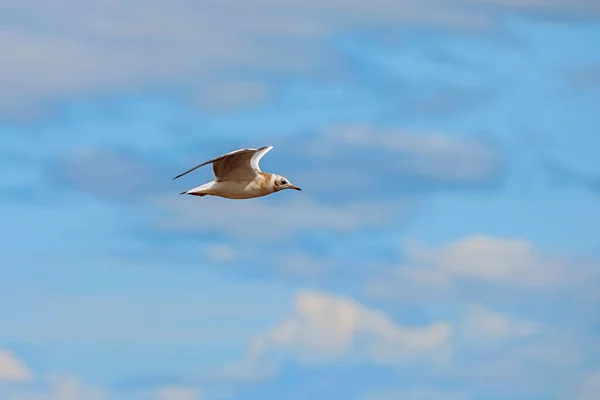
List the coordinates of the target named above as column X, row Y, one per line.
column 233, row 189
column 238, row 176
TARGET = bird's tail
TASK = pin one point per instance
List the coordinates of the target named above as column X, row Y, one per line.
column 193, row 193
column 200, row 191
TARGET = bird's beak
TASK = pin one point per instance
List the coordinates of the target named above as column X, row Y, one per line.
column 295, row 187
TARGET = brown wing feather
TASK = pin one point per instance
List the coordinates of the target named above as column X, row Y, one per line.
column 233, row 154
column 234, row 168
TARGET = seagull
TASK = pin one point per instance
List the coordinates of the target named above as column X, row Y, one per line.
column 238, row 176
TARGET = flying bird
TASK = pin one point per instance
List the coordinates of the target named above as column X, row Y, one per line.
column 238, row 176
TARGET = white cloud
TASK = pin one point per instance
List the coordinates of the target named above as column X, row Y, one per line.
column 13, row 369
column 520, row 315
column 114, row 45
column 577, row 6
column 420, row 393
column 483, row 325
column 54, row 388
column 503, row 272
column 590, row 387
column 64, row 387
column 432, row 155
column 485, row 259
column 221, row 253
column 68, row 388
column 247, row 218
column 227, row 95
column 56, row 49
column 304, row 266
column 178, row 393
column 326, row 328
column 244, row 370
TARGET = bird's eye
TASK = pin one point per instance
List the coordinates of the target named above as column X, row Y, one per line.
column 283, row 182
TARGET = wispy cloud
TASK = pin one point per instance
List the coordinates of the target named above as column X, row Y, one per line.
column 580, row 7
column 503, row 297
column 425, row 155
column 201, row 41
column 584, row 78
column 490, row 260
column 65, row 387
column 228, row 95
column 348, row 164
column 246, row 219
column 482, row 325
column 589, row 387
column 420, row 393
column 179, row 393
column 323, row 327
column 109, row 173
column 12, row 369
column 448, row 101
column 78, row 53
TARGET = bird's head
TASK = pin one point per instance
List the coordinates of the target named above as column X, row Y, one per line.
column 282, row 183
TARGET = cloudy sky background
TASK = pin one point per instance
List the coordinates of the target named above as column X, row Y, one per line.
column 446, row 245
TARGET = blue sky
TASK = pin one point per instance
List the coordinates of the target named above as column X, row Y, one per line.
column 445, row 244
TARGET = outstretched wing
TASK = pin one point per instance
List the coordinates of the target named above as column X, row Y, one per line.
column 238, row 165
column 257, row 156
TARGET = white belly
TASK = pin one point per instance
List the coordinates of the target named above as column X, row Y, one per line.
column 238, row 190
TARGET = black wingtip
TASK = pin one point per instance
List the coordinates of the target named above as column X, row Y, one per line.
column 183, row 193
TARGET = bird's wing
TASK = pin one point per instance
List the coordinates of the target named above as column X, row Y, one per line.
column 241, row 166
column 232, row 154
column 257, row 156
column 238, row 165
